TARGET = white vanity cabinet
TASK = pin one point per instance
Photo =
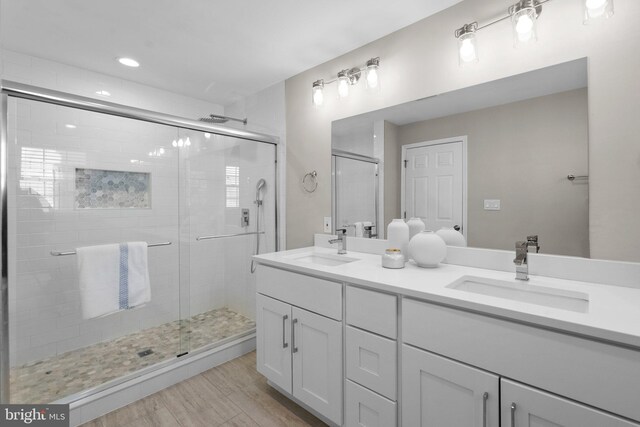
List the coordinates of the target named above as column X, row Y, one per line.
column 523, row 406
column 300, row 351
column 440, row 392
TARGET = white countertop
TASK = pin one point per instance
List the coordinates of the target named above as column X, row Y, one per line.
column 613, row 313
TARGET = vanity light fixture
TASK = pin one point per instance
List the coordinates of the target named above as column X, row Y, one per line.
column 317, row 93
column 467, row 46
column 373, row 73
column 524, row 15
column 103, row 92
column 597, row 9
column 347, row 78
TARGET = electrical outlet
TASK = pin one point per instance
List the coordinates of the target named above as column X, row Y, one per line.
column 327, row 224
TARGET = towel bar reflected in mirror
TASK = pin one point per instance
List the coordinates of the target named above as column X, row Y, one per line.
column 150, row 245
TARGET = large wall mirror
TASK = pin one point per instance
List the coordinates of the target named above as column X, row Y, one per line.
column 500, row 161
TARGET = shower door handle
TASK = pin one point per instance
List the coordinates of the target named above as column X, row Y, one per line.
column 293, row 336
column 284, row 336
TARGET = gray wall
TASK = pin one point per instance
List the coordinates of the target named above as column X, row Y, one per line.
column 521, row 154
column 421, row 60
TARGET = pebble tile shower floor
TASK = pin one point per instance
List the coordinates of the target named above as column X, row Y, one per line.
column 68, row 373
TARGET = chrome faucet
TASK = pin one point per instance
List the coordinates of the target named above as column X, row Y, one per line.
column 522, row 266
column 342, row 239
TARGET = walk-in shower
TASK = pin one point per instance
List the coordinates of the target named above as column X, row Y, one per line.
column 78, row 172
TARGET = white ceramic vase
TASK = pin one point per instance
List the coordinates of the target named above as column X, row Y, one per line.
column 427, row 249
column 415, row 226
column 398, row 236
column 452, row 237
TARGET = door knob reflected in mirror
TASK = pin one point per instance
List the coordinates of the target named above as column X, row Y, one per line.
column 456, row 227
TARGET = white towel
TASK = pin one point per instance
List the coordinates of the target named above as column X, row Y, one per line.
column 113, row 278
column 359, row 229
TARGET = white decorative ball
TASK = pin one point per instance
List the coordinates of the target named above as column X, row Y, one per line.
column 415, row 226
column 452, row 237
column 427, row 249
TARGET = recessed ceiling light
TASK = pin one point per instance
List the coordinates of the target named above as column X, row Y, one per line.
column 103, row 93
column 70, row 126
column 129, row 62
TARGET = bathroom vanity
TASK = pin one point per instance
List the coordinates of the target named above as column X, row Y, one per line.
column 360, row 345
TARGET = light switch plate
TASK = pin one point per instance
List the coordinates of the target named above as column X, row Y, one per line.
column 327, row 224
column 491, row 204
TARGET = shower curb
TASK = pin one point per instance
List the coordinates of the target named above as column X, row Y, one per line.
column 88, row 408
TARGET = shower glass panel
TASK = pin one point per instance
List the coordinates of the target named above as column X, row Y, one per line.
column 79, row 178
column 355, row 189
column 221, row 213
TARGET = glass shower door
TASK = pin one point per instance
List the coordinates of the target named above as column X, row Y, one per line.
column 228, row 206
column 76, row 179
column 355, row 193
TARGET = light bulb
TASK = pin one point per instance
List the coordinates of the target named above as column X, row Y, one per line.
column 180, row 142
column 161, row 150
column 595, row 8
column 372, row 77
column 207, row 135
column 467, row 51
column 187, row 142
column 174, row 143
column 343, row 87
column 524, row 27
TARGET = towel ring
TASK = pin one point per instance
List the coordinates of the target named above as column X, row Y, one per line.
column 310, row 182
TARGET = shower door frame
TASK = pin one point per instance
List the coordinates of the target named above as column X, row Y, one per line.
column 23, row 91
column 335, row 154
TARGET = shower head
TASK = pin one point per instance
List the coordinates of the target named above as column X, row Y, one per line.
column 217, row 119
column 259, row 186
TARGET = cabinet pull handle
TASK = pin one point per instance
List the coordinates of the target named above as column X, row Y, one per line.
column 513, row 414
column 285, row 344
column 293, row 335
column 485, row 397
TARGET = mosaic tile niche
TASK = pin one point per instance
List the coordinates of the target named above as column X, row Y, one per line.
column 105, row 189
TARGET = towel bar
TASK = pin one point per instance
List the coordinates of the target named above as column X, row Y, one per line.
column 222, row 236
column 151, row 245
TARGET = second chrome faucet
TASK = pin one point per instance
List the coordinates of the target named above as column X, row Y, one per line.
column 521, row 260
column 342, row 240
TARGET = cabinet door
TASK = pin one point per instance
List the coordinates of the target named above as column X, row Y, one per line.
column 317, row 363
column 440, row 392
column 523, row 406
column 273, row 334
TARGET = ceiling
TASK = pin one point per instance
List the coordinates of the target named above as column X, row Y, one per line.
column 214, row 50
column 545, row 81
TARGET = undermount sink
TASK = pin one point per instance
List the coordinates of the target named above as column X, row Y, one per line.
column 524, row 292
column 322, row 259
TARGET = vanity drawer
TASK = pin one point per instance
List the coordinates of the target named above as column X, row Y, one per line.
column 366, row 408
column 317, row 295
column 371, row 361
column 373, row 311
column 598, row 374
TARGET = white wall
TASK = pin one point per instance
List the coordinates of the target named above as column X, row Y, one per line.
column 421, row 60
